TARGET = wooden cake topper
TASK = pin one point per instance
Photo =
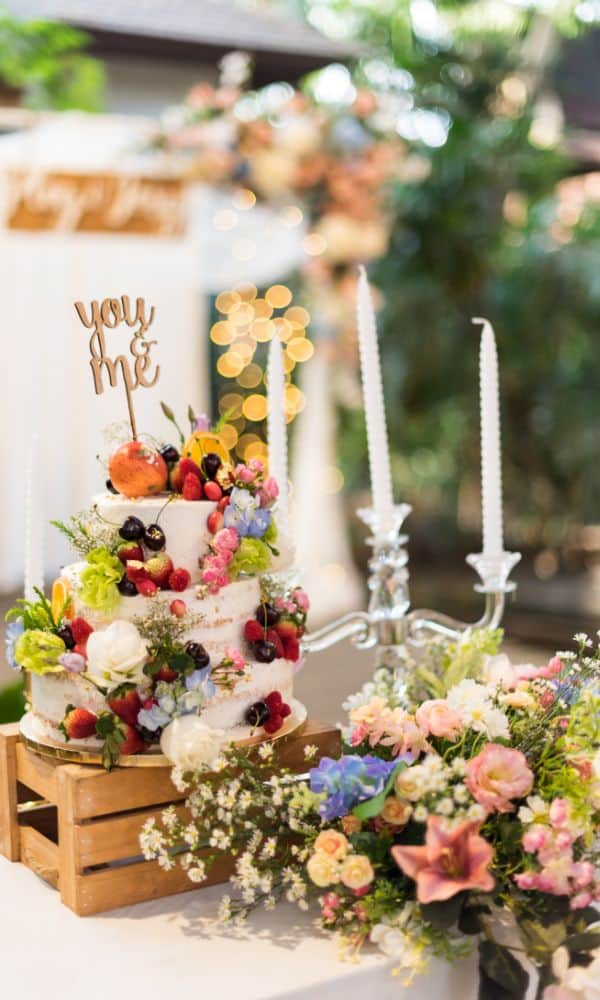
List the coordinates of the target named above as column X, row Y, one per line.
column 107, row 315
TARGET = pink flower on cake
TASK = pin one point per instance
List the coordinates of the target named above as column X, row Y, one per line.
column 436, row 718
column 244, row 473
column 226, row 540
column 237, row 659
column 498, row 775
column 449, row 861
column 301, row 599
column 268, row 492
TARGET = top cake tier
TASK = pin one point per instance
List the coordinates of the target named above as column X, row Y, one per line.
column 184, row 524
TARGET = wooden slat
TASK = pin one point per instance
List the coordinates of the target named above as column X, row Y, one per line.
column 9, row 827
column 36, row 772
column 40, row 854
column 68, row 844
column 115, row 887
column 97, row 793
column 103, row 840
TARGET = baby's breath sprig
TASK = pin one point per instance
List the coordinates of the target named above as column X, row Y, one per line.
column 88, row 530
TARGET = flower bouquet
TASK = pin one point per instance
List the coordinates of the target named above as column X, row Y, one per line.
column 464, row 811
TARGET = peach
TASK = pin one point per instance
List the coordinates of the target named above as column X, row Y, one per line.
column 137, row 470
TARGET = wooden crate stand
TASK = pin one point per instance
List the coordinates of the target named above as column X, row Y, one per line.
column 78, row 826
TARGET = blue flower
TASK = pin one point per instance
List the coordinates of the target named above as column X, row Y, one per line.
column 244, row 514
column 153, row 718
column 199, row 680
column 13, row 632
column 348, row 781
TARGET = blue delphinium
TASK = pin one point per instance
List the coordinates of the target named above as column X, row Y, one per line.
column 183, row 697
column 244, row 514
column 348, row 781
column 14, row 630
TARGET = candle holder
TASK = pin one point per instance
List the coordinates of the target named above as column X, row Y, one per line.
column 388, row 626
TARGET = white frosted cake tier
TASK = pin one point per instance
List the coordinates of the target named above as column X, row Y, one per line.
column 223, row 615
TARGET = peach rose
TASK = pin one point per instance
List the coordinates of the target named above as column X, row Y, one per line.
column 497, row 775
column 436, row 718
column 351, row 824
column 322, row 869
column 357, row 872
column 396, row 811
column 333, row 844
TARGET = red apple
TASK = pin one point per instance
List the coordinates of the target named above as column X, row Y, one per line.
column 137, row 470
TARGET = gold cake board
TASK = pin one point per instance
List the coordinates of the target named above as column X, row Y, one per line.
column 77, row 826
column 71, row 753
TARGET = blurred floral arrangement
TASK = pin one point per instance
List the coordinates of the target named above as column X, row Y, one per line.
column 464, row 809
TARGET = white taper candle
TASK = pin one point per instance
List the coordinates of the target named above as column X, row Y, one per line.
column 276, row 429
column 377, row 439
column 34, row 528
column 491, row 468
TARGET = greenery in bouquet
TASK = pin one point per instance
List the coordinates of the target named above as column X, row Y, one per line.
column 468, row 816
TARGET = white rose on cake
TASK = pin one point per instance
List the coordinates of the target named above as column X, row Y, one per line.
column 190, row 744
column 116, row 654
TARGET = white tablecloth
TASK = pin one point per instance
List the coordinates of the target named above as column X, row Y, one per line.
column 172, row 948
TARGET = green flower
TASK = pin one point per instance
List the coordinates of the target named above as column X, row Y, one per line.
column 270, row 535
column 252, row 556
column 98, row 582
column 38, row 651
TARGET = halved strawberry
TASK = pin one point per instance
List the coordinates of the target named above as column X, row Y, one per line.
column 275, row 639
column 130, row 551
column 159, row 569
column 133, row 742
column 286, row 630
column 78, row 723
column 187, row 467
column 126, row 703
column 136, row 571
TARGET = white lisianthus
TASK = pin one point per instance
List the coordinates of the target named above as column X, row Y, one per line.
column 116, row 654
column 476, row 709
column 190, row 744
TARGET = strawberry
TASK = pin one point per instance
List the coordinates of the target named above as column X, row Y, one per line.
column 274, row 638
column 133, row 742
column 81, row 648
column 273, row 701
column 166, row 674
column 214, row 522
column 81, row 630
column 126, row 703
column 291, row 649
column 212, row 491
column 188, row 468
column 78, row 723
column 179, row 580
column 224, row 503
column 286, row 630
column 273, row 724
column 136, row 571
column 159, row 569
column 253, row 632
column 178, row 607
column 192, row 487
column 130, row 551
column 147, row 588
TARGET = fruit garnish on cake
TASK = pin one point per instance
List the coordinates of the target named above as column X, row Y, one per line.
column 166, row 632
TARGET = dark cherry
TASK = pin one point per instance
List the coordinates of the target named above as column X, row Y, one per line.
column 110, row 487
column 132, row 529
column 264, row 651
column 127, row 587
column 64, row 632
column 211, row 464
column 154, row 537
column 149, row 735
column 267, row 615
column 198, row 654
column 257, row 714
column 170, row 454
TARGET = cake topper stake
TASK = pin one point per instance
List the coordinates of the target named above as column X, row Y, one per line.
column 107, row 315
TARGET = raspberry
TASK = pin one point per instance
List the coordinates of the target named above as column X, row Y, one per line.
column 274, row 638
column 81, row 630
column 147, row 588
column 192, row 487
column 273, row 724
column 284, row 711
column 274, row 701
column 253, row 631
column 179, row 580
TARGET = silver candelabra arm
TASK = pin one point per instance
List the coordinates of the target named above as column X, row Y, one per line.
column 355, row 626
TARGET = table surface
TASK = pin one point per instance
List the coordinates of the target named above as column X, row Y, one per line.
column 173, row 946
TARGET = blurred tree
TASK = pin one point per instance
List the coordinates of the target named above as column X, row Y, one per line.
column 488, row 232
column 46, row 65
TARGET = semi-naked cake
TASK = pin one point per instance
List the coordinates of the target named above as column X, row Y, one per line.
column 173, row 629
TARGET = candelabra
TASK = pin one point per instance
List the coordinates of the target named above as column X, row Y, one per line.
column 387, row 625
